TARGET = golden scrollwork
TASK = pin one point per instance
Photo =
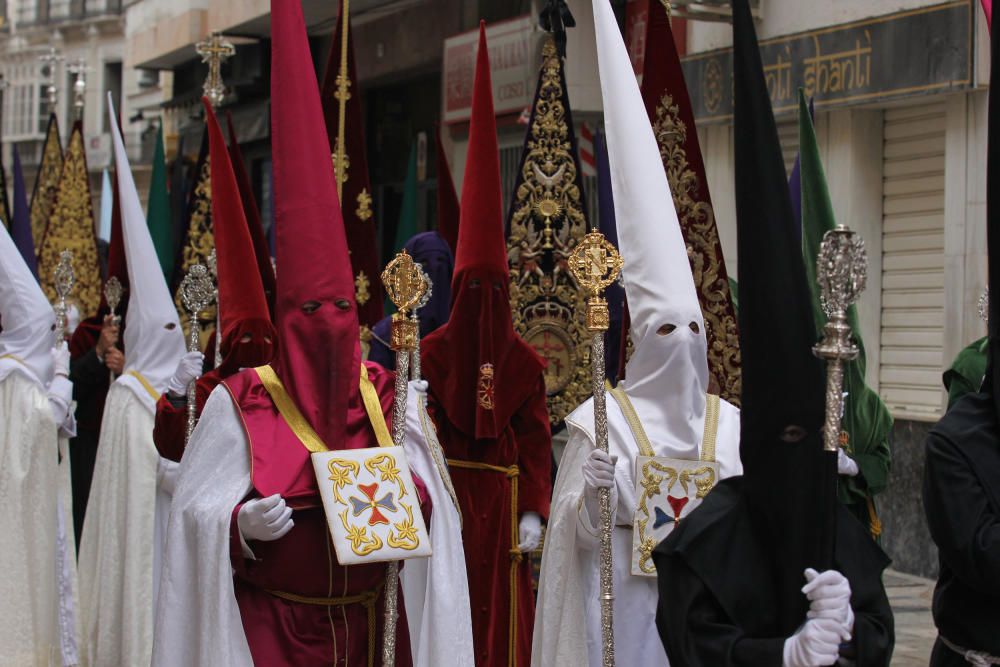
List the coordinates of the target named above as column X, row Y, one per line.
column 405, row 536
column 704, row 249
column 547, row 221
column 340, row 474
column 387, row 469
column 71, row 227
column 198, row 245
column 44, row 195
column 361, row 543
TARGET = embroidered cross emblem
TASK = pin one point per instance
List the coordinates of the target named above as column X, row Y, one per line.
column 385, row 502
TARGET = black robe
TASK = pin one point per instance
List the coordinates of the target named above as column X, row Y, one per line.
column 714, row 574
column 962, row 503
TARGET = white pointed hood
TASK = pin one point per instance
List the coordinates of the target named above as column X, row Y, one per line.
column 26, row 317
column 154, row 341
column 667, row 376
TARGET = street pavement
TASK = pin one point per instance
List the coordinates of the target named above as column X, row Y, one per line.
column 911, row 603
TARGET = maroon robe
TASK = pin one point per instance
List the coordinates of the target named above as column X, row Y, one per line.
column 303, row 563
column 170, row 424
column 485, row 500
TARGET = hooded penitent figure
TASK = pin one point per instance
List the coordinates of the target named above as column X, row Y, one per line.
column 661, row 410
column 487, row 399
column 738, row 576
column 962, row 473
column 432, row 252
column 34, row 388
column 250, row 575
column 247, row 333
column 119, row 551
column 95, row 356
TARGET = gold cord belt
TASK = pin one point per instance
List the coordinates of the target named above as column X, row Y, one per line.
column 516, row 556
column 366, row 599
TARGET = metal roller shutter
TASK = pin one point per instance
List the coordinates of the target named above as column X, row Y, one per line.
column 913, row 262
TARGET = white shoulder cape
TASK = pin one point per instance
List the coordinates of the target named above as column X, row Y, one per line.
column 436, row 589
column 198, row 622
column 29, row 632
column 117, row 562
column 567, row 614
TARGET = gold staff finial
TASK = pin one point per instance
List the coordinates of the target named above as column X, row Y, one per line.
column 215, row 50
column 595, row 264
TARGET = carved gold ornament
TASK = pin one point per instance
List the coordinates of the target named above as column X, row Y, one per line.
column 71, row 227
column 361, row 285
column 704, row 250
column 44, row 195
column 198, row 247
column 364, row 211
column 406, row 284
column 595, row 264
column 546, row 223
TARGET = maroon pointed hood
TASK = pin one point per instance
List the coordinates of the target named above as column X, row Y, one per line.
column 318, row 356
column 477, row 365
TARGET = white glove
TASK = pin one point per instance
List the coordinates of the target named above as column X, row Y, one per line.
column 166, row 475
column 60, row 360
column 419, row 386
column 265, row 519
column 529, row 531
column 845, row 464
column 188, row 370
column 816, row 644
column 60, row 394
column 598, row 473
column 829, row 596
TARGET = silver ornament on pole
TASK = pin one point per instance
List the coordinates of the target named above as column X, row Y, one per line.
column 197, row 294
column 842, row 272
column 64, row 281
column 113, row 291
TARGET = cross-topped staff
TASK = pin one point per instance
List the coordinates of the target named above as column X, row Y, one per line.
column 197, row 293
column 406, row 285
column 595, row 264
column 341, row 162
column 52, row 59
column 215, row 50
column 113, row 295
column 842, row 271
column 64, row 281
column 79, row 69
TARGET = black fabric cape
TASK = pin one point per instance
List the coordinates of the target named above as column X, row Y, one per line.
column 962, row 503
column 714, row 573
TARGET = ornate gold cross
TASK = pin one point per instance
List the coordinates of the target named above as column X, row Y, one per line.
column 215, row 50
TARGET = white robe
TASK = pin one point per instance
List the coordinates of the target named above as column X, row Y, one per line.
column 436, row 589
column 29, row 630
column 198, row 622
column 116, row 565
column 568, row 617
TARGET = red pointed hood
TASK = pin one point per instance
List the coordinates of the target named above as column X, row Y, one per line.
column 447, row 199
column 247, row 333
column 476, row 365
column 252, row 213
column 319, row 355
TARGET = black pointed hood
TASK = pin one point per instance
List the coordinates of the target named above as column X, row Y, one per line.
column 787, row 476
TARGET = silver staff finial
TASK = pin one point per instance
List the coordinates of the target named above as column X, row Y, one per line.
column 842, row 271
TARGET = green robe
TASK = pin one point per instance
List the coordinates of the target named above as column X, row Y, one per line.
column 965, row 375
column 867, row 424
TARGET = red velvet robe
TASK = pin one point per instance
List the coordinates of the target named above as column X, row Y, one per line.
column 303, row 562
column 170, row 424
column 485, row 500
